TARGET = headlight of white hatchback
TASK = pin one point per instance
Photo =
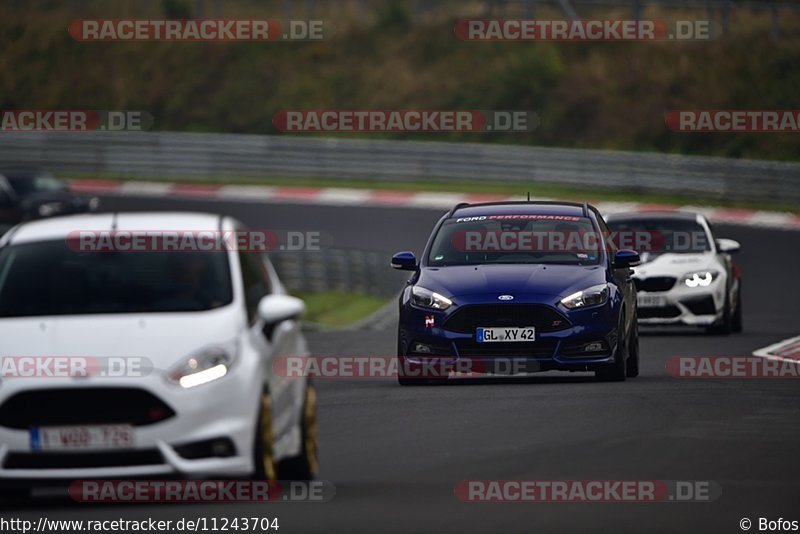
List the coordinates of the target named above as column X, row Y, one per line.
column 204, row 366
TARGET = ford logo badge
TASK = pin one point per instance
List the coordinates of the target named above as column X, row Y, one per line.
column 505, row 297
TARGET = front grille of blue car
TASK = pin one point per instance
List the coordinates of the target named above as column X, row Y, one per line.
column 538, row 349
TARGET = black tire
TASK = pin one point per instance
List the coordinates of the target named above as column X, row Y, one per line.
column 632, row 363
column 725, row 324
column 616, row 372
column 411, row 382
column 404, row 380
column 305, row 465
column 738, row 325
column 263, row 456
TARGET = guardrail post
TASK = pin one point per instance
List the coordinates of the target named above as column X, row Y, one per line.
column 360, row 269
column 327, row 275
column 351, row 271
column 419, row 10
column 636, row 9
column 569, row 11
column 499, row 4
column 776, row 27
column 374, row 287
column 527, row 9
column 726, row 15
column 342, row 271
column 306, row 283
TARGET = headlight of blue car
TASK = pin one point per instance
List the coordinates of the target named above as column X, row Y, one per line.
column 593, row 296
column 425, row 298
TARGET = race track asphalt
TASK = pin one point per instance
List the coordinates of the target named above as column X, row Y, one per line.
column 395, row 454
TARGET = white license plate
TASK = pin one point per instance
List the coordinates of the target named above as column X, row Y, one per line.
column 81, row 437
column 497, row 335
column 651, row 301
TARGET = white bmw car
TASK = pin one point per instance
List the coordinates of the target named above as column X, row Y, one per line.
column 687, row 276
column 180, row 348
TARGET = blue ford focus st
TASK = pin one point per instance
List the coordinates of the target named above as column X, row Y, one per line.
column 514, row 288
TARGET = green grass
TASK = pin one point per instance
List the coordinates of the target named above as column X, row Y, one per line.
column 337, row 309
column 489, row 187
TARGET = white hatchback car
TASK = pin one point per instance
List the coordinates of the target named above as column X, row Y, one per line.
column 199, row 332
column 686, row 276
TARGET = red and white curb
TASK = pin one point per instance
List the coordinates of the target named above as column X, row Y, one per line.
column 787, row 350
column 333, row 196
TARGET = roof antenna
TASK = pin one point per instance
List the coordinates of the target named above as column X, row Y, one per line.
column 114, row 221
column 529, row 196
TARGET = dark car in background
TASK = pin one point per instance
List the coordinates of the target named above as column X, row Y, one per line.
column 28, row 193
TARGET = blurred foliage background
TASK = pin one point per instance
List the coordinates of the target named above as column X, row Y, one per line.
column 397, row 54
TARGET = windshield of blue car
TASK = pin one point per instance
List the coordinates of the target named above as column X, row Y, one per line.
column 516, row 239
column 48, row 278
column 25, row 184
column 661, row 235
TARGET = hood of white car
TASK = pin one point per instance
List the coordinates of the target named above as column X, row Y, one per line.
column 162, row 338
column 674, row 264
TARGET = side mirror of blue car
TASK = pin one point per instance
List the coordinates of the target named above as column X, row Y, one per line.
column 404, row 261
column 626, row 258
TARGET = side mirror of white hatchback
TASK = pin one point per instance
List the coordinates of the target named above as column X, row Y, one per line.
column 274, row 309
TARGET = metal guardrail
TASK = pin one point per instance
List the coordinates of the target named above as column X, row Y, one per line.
column 194, row 156
column 348, row 271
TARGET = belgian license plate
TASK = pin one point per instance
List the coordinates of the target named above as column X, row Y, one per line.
column 651, row 301
column 81, row 437
column 498, row 335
